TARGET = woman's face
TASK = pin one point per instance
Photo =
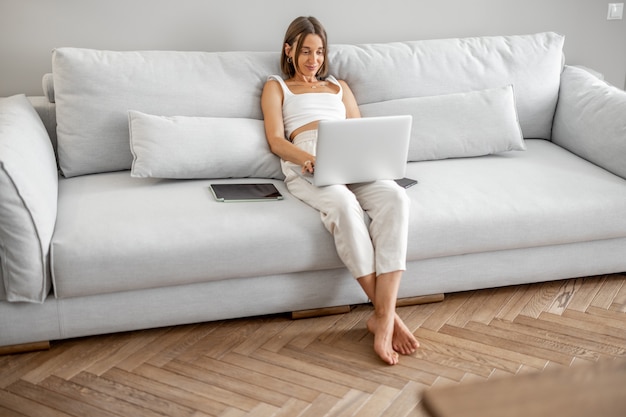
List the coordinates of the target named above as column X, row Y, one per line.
column 311, row 56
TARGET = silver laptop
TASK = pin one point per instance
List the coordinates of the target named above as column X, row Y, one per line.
column 360, row 150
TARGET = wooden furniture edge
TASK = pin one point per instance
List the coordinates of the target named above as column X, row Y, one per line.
column 577, row 391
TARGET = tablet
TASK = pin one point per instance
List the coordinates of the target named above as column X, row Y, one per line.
column 245, row 192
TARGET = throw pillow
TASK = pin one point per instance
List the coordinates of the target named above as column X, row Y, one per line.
column 200, row 147
column 28, row 207
column 457, row 125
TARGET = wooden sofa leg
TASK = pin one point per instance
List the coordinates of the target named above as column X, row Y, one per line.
column 319, row 312
column 24, row 348
column 422, row 299
column 328, row 311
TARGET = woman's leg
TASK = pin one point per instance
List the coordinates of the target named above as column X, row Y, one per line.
column 382, row 291
column 387, row 205
column 388, row 208
column 343, row 216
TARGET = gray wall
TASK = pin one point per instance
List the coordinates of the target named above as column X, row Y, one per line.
column 30, row 29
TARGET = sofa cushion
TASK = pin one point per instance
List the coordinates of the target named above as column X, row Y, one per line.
column 590, row 120
column 118, row 233
column 94, row 90
column 28, row 206
column 545, row 196
column 200, row 147
column 388, row 71
column 457, row 125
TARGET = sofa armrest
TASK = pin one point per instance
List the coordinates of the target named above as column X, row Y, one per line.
column 47, row 113
column 590, row 120
column 28, row 203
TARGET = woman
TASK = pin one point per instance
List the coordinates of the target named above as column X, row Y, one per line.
column 376, row 256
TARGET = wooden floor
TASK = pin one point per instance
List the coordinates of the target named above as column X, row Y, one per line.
column 275, row 366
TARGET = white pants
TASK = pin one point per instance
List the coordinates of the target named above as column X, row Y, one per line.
column 378, row 248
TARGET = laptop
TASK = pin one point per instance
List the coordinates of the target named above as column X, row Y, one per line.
column 360, row 150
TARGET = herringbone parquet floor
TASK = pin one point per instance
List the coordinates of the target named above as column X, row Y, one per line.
column 275, row 366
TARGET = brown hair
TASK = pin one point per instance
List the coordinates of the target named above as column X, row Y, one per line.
column 296, row 32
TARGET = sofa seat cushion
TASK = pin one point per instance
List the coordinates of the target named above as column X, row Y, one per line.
column 544, row 196
column 117, row 233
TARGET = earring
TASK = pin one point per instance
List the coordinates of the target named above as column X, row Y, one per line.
column 289, row 60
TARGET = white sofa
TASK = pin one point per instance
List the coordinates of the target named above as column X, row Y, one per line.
column 133, row 238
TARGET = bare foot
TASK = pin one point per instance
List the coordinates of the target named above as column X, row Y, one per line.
column 383, row 329
column 404, row 341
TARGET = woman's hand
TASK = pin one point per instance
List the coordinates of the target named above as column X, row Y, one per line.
column 308, row 166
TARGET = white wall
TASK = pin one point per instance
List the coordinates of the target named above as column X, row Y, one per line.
column 30, row 29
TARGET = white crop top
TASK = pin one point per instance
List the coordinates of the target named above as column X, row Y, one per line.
column 300, row 109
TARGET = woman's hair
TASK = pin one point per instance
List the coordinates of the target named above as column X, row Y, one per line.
column 296, row 32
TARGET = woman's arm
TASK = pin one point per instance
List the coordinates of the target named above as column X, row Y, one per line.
column 352, row 108
column 272, row 106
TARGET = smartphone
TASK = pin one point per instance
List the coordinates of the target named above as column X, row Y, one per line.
column 406, row 182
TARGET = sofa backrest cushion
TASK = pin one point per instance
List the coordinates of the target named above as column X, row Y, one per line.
column 94, row 90
column 531, row 63
column 28, row 201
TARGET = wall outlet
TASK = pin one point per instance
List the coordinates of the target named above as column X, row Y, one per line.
column 616, row 10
